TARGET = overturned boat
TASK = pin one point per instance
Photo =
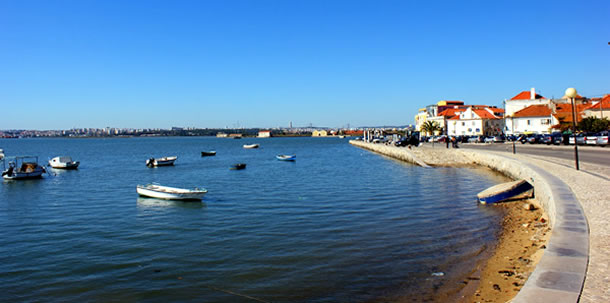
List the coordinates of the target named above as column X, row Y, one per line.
column 22, row 168
column 63, row 162
column 170, row 193
column 516, row 190
column 165, row 161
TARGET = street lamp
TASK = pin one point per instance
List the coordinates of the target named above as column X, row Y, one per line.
column 571, row 93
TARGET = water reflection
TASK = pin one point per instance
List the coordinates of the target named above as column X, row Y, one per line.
column 153, row 203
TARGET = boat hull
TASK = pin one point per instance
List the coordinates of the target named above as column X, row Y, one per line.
column 166, row 161
column 286, row 157
column 250, row 146
column 162, row 192
column 24, row 176
column 208, row 154
column 510, row 191
column 238, row 166
column 71, row 165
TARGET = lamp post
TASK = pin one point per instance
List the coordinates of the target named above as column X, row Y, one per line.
column 446, row 130
column 571, row 93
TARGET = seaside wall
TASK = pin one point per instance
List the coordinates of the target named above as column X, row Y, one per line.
column 560, row 274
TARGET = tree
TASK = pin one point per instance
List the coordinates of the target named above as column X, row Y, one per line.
column 593, row 124
column 430, row 127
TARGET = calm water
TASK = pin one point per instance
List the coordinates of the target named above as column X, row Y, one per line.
column 339, row 225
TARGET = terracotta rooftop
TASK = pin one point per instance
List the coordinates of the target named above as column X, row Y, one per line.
column 605, row 104
column 533, row 111
column 450, row 112
column 526, row 95
column 483, row 114
column 567, row 107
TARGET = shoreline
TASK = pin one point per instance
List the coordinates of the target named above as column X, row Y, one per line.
column 504, row 268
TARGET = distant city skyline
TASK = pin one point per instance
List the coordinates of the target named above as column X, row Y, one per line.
column 266, row 64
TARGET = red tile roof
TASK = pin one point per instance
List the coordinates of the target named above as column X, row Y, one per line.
column 567, row 107
column 567, row 117
column 450, row 112
column 526, row 95
column 484, row 114
column 605, row 104
column 533, row 111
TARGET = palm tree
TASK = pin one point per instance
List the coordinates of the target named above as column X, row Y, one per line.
column 430, row 127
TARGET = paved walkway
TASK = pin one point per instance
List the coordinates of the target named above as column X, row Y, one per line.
column 591, row 186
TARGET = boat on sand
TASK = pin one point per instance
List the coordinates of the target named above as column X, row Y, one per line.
column 509, row 191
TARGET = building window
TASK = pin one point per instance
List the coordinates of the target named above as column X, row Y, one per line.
column 473, row 123
column 463, row 123
column 546, row 121
column 528, row 122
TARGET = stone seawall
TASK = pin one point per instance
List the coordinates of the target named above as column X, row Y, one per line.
column 560, row 274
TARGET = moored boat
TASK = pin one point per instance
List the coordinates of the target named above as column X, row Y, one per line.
column 286, row 157
column 509, row 191
column 208, row 153
column 1, row 154
column 251, row 145
column 63, row 162
column 22, row 167
column 238, row 166
column 170, row 193
column 165, row 161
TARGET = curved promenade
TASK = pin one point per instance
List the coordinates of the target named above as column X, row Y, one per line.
column 560, row 275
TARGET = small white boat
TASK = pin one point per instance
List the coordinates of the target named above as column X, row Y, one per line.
column 165, row 161
column 170, row 193
column 286, row 157
column 251, row 145
column 63, row 162
column 1, row 154
column 21, row 168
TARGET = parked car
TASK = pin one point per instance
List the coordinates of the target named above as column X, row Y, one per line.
column 580, row 139
column 488, row 139
column 499, row 139
column 602, row 139
column 473, row 139
column 522, row 139
column 547, row 139
column 556, row 138
column 534, row 139
column 590, row 139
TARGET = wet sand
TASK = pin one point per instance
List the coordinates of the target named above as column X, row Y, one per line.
column 521, row 244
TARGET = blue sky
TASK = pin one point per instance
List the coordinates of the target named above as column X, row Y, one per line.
column 257, row 63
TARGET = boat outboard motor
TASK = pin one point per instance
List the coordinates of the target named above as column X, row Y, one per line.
column 150, row 162
column 9, row 171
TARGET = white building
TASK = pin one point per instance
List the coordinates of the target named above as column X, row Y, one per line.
column 476, row 122
column 519, row 102
column 534, row 119
column 264, row 134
